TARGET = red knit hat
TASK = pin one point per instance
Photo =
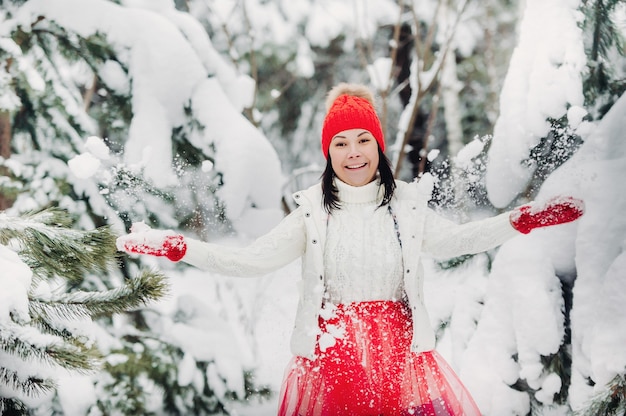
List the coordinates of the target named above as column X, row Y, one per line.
column 350, row 107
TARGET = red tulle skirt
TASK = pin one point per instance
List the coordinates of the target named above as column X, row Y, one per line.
column 371, row 371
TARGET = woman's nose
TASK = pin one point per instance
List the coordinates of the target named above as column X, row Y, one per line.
column 353, row 151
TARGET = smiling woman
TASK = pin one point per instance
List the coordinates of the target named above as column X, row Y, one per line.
column 362, row 340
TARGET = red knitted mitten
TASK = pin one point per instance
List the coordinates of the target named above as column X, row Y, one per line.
column 557, row 210
column 144, row 240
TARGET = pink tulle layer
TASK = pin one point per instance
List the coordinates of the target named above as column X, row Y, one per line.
column 370, row 370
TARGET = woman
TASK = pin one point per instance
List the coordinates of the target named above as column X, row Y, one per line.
column 362, row 341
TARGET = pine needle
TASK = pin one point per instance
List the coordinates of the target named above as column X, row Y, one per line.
column 136, row 292
column 12, row 406
column 28, row 345
column 50, row 248
column 31, row 386
column 611, row 402
column 46, row 326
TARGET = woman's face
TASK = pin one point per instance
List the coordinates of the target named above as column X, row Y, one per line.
column 354, row 156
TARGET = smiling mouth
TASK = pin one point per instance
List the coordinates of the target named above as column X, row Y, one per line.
column 356, row 166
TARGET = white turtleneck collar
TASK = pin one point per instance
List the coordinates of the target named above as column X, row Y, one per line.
column 366, row 194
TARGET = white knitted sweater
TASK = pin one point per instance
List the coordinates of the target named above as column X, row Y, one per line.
column 362, row 256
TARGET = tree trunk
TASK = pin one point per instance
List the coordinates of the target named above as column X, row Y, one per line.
column 450, row 88
column 5, row 152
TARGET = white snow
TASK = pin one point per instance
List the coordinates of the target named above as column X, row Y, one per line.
column 240, row 145
column 15, row 281
column 468, row 152
column 77, row 393
column 8, row 100
column 575, row 115
column 84, row 165
column 97, row 147
column 432, row 154
column 207, row 166
column 305, row 66
column 544, row 78
column 380, row 73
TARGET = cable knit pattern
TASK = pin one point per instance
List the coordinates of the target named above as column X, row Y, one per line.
column 363, row 259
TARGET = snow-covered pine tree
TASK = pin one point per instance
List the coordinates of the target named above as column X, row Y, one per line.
column 603, row 85
column 69, row 76
column 605, row 44
column 43, row 261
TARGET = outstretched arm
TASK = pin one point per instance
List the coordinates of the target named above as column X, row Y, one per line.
column 283, row 244
column 445, row 239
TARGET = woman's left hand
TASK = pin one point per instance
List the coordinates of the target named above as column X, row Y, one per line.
column 557, row 210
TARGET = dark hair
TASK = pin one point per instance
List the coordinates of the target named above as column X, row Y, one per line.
column 330, row 198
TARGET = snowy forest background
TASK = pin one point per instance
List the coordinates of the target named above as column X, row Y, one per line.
column 204, row 115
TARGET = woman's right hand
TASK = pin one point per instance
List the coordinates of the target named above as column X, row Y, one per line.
column 144, row 240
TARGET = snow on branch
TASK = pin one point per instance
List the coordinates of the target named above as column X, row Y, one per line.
column 136, row 292
column 50, row 248
column 33, row 386
column 27, row 343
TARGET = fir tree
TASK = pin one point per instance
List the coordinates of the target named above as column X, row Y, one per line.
column 43, row 259
column 605, row 49
column 64, row 85
column 611, row 402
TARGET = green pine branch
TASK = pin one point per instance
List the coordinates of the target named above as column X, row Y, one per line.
column 32, row 386
column 49, row 327
column 158, row 361
column 605, row 32
column 605, row 39
column 611, row 402
column 46, row 243
column 51, row 249
column 10, row 406
column 27, row 344
column 136, row 292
